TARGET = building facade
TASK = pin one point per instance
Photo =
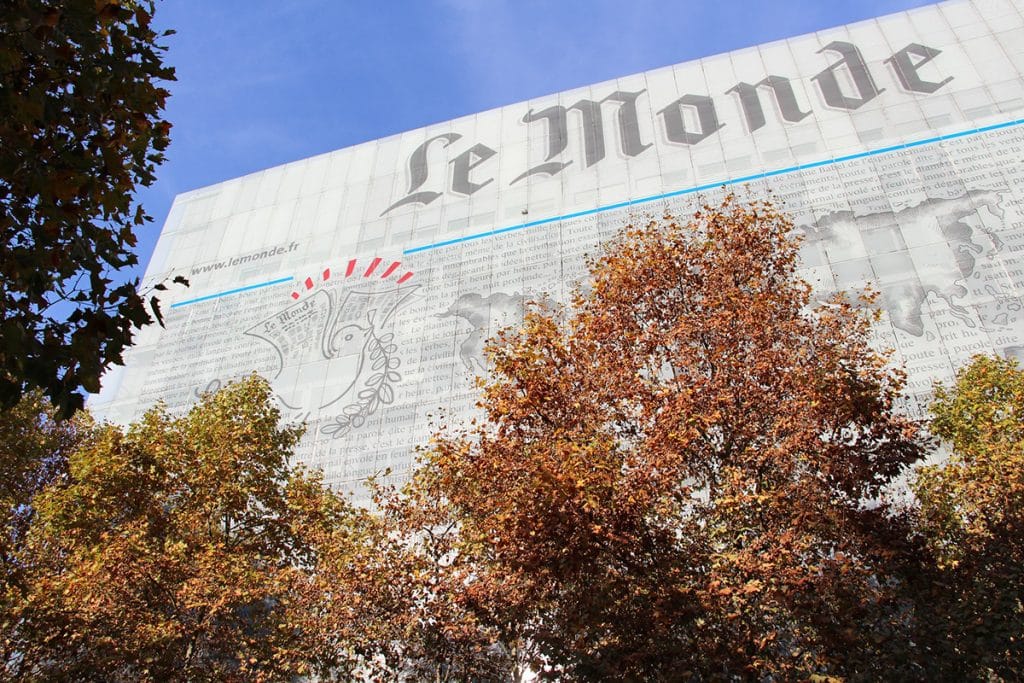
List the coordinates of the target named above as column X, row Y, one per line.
column 365, row 282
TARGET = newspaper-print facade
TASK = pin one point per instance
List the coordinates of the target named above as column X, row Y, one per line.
column 365, row 282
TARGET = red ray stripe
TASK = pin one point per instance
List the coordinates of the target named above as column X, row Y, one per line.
column 327, row 273
column 309, row 283
column 373, row 267
column 351, row 267
column 405, row 277
column 295, row 295
column 394, row 265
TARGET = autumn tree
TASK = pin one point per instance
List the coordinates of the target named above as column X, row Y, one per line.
column 972, row 517
column 34, row 451
column 178, row 549
column 381, row 601
column 682, row 475
column 81, row 128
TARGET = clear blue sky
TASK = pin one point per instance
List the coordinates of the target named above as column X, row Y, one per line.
column 264, row 83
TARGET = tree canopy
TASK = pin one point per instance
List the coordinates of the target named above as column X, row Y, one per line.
column 972, row 515
column 81, row 128
column 34, row 451
column 682, row 474
column 178, row 549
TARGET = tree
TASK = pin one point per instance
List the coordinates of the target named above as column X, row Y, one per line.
column 34, row 450
column 80, row 130
column 383, row 603
column 682, row 475
column 172, row 551
column 445, row 636
column 186, row 548
column 972, row 516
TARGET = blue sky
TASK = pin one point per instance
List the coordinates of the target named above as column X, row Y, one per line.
column 264, row 83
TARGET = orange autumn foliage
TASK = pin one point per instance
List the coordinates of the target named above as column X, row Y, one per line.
column 680, row 474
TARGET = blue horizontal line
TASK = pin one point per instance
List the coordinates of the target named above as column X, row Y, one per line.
column 233, row 291
column 717, row 184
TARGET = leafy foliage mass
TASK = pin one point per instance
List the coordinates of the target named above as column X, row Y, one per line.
column 189, row 549
column 168, row 551
column 80, row 130
column 972, row 516
column 683, row 476
column 34, row 451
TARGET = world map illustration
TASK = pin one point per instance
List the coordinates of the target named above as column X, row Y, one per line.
column 931, row 248
column 485, row 315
